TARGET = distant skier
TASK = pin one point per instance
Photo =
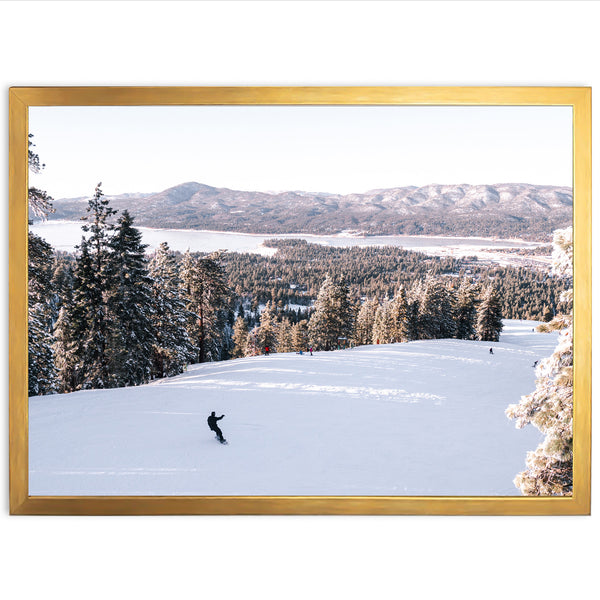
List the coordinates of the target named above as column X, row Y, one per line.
column 212, row 423
column 266, row 350
column 310, row 350
column 491, row 351
column 535, row 364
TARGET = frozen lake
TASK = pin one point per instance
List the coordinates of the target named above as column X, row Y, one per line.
column 65, row 235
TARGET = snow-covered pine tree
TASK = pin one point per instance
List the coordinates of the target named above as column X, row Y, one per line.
column 550, row 407
column 42, row 309
column 72, row 328
column 412, row 311
column 42, row 371
column 399, row 316
column 267, row 332
column 489, row 316
column 365, row 319
column 93, row 284
column 66, row 351
column 64, row 344
column 284, row 336
column 383, row 324
column 205, row 291
column 300, row 336
column 240, row 338
column 333, row 315
column 466, row 310
column 99, row 226
column 130, row 306
column 172, row 348
column 252, row 346
column 187, row 286
column 41, row 315
column 227, row 321
column 62, row 281
column 436, row 311
column 40, row 203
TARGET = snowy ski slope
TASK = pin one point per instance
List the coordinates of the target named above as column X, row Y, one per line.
column 422, row 418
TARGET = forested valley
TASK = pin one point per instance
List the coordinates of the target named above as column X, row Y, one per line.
column 295, row 273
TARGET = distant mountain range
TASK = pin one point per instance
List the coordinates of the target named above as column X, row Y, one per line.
column 502, row 210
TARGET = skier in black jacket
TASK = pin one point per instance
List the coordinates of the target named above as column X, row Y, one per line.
column 212, row 423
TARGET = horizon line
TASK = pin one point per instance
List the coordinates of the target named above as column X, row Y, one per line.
column 307, row 191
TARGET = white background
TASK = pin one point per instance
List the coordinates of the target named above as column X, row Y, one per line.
column 288, row 43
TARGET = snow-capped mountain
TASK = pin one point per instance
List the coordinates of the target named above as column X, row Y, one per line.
column 502, row 210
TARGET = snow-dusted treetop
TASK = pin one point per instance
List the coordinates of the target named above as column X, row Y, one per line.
column 562, row 252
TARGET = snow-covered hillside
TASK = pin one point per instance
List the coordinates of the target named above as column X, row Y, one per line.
column 423, row 418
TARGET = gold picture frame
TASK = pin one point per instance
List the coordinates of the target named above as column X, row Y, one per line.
column 21, row 98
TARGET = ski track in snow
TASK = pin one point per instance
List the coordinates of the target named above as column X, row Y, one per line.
column 423, row 418
column 399, row 395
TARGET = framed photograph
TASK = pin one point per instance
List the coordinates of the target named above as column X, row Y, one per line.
column 328, row 300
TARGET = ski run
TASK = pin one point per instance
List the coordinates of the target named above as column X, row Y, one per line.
column 418, row 418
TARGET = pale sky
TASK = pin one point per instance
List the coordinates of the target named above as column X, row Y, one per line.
column 338, row 149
